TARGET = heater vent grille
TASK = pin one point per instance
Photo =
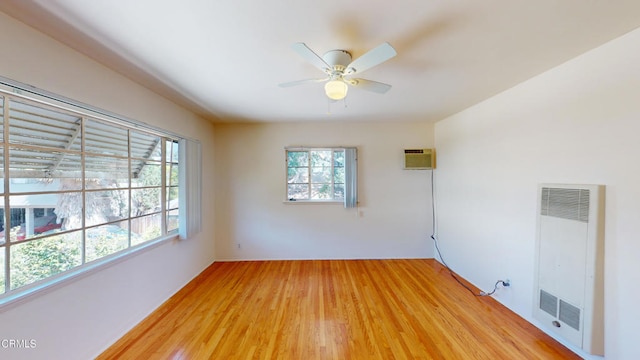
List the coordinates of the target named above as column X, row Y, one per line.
column 570, row 315
column 571, row 204
column 548, row 303
column 569, row 277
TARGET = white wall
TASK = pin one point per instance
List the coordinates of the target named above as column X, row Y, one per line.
column 578, row 123
column 394, row 217
column 83, row 317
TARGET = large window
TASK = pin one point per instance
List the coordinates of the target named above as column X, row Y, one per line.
column 76, row 188
column 321, row 175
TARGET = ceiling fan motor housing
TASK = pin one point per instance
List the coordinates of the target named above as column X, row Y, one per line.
column 338, row 59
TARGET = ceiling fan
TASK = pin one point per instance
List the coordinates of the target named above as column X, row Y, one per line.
column 340, row 69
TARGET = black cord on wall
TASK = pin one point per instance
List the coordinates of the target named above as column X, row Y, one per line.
column 435, row 242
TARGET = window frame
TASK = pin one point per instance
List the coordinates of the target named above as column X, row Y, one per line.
column 15, row 91
column 332, row 200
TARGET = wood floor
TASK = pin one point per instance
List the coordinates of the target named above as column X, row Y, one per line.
column 321, row 309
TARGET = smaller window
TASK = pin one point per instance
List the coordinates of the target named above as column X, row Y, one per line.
column 315, row 174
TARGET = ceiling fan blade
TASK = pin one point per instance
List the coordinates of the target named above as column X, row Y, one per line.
column 369, row 85
column 302, row 82
column 303, row 50
column 372, row 58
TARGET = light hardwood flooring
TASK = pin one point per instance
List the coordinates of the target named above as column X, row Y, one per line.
column 332, row 309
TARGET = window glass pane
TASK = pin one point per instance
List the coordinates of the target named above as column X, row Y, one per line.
column 38, row 259
column 26, row 163
column 297, row 191
column 67, row 165
column 298, row 175
column 338, row 158
column 1, row 166
column 105, row 138
column 2, row 222
column 68, row 209
column 172, row 220
column 36, row 124
column 321, row 175
column 36, row 226
column 106, row 206
column 338, row 175
column 145, row 201
column 156, row 154
column 175, row 152
column 31, row 164
column 16, row 217
column 1, row 119
column 2, row 170
column 2, row 283
column 321, row 158
column 172, row 151
column 297, row 158
column 106, row 239
column 105, row 172
column 321, row 191
column 172, row 174
column 172, row 197
column 145, row 146
column 147, row 227
column 147, row 174
column 28, row 222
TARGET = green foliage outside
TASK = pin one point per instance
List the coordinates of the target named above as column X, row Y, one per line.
column 39, row 259
column 151, row 233
column 105, row 240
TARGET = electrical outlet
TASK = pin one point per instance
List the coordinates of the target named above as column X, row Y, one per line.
column 506, row 282
column 239, row 246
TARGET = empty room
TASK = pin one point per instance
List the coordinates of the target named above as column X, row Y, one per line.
column 319, row 180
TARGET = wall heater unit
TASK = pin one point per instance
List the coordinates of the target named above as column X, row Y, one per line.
column 419, row 159
column 569, row 279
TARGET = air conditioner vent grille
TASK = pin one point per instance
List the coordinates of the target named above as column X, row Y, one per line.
column 571, row 204
column 419, row 159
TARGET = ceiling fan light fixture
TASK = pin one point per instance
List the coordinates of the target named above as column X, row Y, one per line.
column 336, row 89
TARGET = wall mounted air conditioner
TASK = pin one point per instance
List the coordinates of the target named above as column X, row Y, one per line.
column 419, row 159
column 569, row 278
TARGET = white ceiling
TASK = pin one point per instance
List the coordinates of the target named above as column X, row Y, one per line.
column 225, row 58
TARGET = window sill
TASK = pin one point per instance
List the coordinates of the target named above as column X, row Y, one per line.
column 313, row 202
